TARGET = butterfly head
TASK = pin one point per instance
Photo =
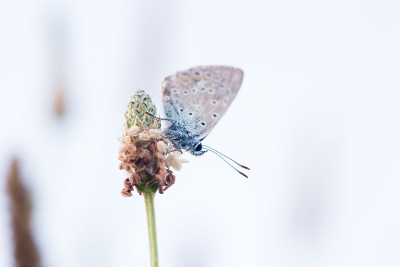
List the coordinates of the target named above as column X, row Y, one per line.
column 197, row 149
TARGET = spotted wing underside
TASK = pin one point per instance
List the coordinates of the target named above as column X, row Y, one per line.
column 197, row 98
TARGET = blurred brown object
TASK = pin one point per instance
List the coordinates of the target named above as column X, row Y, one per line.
column 25, row 251
column 59, row 100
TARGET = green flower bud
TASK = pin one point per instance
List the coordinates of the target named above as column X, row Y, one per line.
column 136, row 114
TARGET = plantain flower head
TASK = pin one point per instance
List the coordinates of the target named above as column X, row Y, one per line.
column 145, row 153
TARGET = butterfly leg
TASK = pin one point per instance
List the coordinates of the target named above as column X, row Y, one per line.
column 162, row 119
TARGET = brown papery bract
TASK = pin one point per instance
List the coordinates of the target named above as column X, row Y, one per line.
column 143, row 156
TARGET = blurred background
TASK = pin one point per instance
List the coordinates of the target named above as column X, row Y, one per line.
column 316, row 119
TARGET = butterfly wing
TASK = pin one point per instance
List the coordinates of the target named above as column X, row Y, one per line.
column 197, row 98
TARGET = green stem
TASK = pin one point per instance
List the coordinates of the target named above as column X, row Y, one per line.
column 151, row 224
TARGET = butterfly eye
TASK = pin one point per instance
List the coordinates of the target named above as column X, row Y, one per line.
column 214, row 102
column 181, row 109
column 199, row 147
column 190, row 113
column 202, row 123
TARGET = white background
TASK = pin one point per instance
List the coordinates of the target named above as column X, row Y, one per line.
column 316, row 119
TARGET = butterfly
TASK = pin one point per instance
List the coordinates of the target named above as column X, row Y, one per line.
column 194, row 101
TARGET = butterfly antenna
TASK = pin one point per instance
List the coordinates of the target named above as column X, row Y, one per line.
column 216, row 151
column 229, row 164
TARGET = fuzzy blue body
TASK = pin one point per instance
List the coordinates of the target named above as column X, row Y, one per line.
column 184, row 139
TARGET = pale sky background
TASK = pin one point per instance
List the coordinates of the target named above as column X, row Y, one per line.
column 317, row 120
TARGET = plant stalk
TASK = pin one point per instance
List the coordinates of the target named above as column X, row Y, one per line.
column 151, row 224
